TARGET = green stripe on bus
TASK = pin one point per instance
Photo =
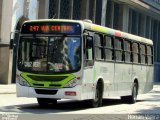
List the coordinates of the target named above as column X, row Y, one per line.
column 47, row 84
column 99, row 28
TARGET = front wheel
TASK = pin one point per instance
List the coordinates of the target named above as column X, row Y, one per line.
column 44, row 102
column 97, row 101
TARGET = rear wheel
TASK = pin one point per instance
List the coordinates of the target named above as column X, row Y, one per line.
column 97, row 101
column 43, row 102
column 132, row 98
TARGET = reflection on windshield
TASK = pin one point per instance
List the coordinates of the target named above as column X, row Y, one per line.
column 49, row 54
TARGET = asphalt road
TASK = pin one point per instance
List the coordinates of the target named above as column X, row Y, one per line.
column 147, row 104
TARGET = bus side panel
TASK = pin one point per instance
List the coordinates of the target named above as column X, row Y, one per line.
column 149, row 79
column 105, row 71
column 139, row 73
column 87, row 83
column 21, row 91
column 123, row 78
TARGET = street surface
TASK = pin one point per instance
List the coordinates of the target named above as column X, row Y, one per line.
column 147, row 104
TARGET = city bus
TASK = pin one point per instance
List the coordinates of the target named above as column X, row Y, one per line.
column 76, row 59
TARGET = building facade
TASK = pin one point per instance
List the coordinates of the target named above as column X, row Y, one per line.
column 139, row 17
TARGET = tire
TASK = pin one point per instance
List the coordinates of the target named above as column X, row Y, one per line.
column 97, row 101
column 125, row 99
column 44, row 102
column 132, row 98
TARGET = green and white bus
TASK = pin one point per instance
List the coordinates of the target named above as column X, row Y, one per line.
column 71, row 59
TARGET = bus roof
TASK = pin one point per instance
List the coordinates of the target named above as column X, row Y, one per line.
column 100, row 29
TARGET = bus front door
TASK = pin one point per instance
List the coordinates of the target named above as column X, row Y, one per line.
column 88, row 68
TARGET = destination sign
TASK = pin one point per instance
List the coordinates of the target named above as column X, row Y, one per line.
column 50, row 28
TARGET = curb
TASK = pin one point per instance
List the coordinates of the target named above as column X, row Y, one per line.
column 156, row 83
column 1, row 93
column 8, row 89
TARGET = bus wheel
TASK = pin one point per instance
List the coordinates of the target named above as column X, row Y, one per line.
column 97, row 101
column 43, row 102
column 132, row 98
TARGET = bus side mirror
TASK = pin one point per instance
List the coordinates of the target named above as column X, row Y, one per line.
column 13, row 38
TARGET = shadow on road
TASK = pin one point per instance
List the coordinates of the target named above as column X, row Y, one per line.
column 154, row 108
column 62, row 106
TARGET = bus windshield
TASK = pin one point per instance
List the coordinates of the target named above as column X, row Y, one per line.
column 49, row 54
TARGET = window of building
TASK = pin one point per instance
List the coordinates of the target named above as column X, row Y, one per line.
column 117, row 19
column 65, row 9
column 109, row 14
column 148, row 27
column 158, row 44
column 91, row 10
column 99, row 54
column 98, row 11
column 108, row 48
column 134, row 29
column 76, row 9
column 52, row 9
column 154, row 37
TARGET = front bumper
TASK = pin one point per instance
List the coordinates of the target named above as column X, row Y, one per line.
column 24, row 91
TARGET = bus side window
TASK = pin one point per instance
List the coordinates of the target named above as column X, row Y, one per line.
column 143, row 54
column 149, row 55
column 118, row 45
column 135, row 52
column 88, row 48
column 127, row 51
column 98, row 40
column 108, row 48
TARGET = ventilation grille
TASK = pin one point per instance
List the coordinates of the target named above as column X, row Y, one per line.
column 47, row 78
column 46, row 92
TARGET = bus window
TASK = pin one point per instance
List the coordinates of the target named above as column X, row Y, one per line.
column 135, row 52
column 50, row 54
column 98, row 47
column 118, row 45
column 33, row 54
column 89, row 51
column 108, row 46
column 143, row 54
column 149, row 55
column 127, row 51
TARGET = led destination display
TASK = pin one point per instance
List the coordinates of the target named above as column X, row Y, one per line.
column 50, row 28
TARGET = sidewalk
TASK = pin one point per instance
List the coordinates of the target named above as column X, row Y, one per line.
column 11, row 89
column 8, row 89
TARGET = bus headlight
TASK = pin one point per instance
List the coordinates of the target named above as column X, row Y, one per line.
column 71, row 83
column 21, row 81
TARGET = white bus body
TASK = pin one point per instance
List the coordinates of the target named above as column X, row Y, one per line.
column 115, row 78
